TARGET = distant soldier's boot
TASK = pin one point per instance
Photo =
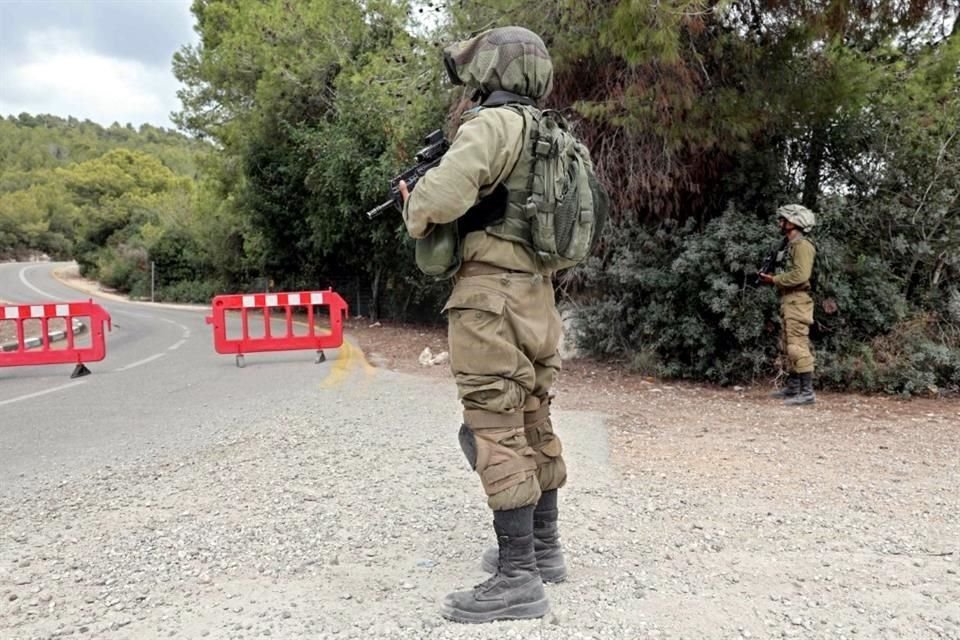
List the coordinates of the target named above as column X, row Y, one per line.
column 515, row 591
column 546, row 542
column 806, row 394
column 790, row 389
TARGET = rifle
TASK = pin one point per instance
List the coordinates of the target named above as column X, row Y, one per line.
column 770, row 262
column 435, row 145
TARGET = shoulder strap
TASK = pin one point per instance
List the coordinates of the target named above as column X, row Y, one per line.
column 501, row 98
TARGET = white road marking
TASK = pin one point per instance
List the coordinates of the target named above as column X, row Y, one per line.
column 23, row 279
column 140, row 362
column 41, row 393
column 185, row 332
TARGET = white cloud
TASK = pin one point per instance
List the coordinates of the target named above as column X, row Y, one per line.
column 56, row 74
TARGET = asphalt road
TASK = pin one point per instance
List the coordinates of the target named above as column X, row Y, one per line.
column 161, row 387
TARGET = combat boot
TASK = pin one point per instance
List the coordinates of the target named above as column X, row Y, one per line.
column 515, row 591
column 546, row 542
column 806, row 394
column 790, row 389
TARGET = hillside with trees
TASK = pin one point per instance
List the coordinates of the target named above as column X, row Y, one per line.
column 105, row 196
column 702, row 117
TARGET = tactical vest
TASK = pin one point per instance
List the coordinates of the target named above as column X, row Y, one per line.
column 559, row 234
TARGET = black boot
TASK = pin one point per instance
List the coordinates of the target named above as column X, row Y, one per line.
column 515, row 591
column 546, row 542
column 806, row 394
column 546, row 539
column 790, row 389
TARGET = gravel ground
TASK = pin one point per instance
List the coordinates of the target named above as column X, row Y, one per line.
column 690, row 513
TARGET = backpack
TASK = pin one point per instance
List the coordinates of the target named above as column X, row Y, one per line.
column 551, row 201
column 565, row 204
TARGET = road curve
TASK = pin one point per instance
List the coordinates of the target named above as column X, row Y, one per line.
column 161, row 386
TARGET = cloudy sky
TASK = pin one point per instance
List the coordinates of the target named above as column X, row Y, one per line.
column 106, row 60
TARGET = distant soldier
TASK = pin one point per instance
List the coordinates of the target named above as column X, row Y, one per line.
column 793, row 283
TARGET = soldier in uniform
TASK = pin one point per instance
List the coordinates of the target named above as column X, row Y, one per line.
column 796, row 305
column 503, row 324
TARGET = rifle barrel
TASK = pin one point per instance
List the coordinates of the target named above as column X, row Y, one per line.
column 379, row 209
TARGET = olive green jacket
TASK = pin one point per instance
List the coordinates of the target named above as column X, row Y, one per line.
column 482, row 155
column 798, row 266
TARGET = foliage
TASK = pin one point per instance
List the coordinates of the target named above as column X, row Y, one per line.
column 904, row 202
column 702, row 117
column 52, row 169
column 682, row 303
column 310, row 134
column 31, row 143
column 677, row 96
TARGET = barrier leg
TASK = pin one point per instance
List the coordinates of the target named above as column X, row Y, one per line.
column 240, row 362
column 321, row 356
column 80, row 370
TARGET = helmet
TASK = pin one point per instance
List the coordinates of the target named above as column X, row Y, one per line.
column 512, row 59
column 798, row 215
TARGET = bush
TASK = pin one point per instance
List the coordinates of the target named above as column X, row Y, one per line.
column 121, row 268
column 681, row 302
column 191, row 292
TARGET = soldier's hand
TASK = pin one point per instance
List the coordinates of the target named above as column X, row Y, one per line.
column 404, row 192
column 765, row 278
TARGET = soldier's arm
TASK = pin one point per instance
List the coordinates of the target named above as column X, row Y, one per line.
column 802, row 254
column 480, row 156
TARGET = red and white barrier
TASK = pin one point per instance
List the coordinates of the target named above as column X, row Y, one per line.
column 260, row 305
column 37, row 350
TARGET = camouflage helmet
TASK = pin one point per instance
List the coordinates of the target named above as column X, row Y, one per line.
column 798, row 215
column 510, row 59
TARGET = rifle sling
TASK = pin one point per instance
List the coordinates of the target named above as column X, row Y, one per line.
column 501, row 98
column 487, row 212
column 492, row 209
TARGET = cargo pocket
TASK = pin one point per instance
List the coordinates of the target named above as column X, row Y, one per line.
column 548, row 450
column 503, row 459
column 544, row 441
column 799, row 310
column 476, row 319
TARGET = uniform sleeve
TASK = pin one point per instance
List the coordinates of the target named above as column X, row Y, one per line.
column 480, row 156
column 802, row 255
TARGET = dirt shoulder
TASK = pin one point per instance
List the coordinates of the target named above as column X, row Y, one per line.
column 70, row 276
column 587, row 384
column 837, row 520
column 691, row 512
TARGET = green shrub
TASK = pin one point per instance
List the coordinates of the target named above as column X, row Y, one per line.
column 681, row 302
column 192, row 292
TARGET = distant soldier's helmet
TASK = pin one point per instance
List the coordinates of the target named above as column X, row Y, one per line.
column 798, row 215
column 510, row 59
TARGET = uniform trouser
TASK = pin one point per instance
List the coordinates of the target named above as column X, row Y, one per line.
column 504, row 332
column 796, row 316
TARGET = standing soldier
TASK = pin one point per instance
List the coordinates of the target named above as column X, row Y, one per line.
column 796, row 304
column 471, row 221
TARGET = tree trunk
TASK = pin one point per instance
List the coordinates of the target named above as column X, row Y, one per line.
column 406, row 306
column 813, row 169
column 938, row 271
column 375, row 298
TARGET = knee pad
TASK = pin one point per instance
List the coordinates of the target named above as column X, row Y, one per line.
column 496, row 448
column 468, row 444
